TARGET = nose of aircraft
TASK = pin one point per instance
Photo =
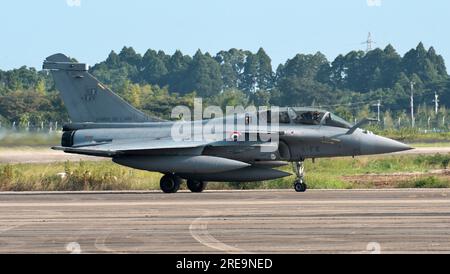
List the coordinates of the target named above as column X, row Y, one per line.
column 374, row 144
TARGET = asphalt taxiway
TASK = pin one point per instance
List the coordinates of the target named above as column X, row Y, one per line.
column 272, row 221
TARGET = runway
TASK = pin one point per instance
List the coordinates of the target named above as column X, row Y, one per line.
column 269, row 221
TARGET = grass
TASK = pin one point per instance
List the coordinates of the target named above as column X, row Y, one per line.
column 75, row 176
column 427, row 182
column 324, row 174
column 413, row 135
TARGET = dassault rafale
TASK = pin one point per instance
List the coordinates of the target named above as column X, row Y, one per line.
column 104, row 125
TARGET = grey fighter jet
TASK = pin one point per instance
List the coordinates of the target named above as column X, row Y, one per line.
column 103, row 124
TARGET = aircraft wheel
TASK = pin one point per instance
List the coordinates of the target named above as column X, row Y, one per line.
column 170, row 183
column 300, row 186
column 196, row 185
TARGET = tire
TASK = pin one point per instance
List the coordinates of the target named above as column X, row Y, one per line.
column 170, row 183
column 196, row 185
column 300, row 186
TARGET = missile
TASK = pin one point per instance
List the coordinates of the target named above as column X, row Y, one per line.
column 180, row 164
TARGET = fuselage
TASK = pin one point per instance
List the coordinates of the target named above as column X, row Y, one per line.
column 295, row 141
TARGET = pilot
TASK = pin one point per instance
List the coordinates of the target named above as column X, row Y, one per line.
column 316, row 117
column 284, row 118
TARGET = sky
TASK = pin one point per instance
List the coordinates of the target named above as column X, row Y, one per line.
column 89, row 29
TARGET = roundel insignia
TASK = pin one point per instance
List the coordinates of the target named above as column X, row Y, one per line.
column 235, row 136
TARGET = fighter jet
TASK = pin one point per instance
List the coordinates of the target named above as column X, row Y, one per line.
column 103, row 124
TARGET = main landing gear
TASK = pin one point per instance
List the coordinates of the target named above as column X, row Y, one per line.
column 170, row 183
column 196, row 185
column 299, row 170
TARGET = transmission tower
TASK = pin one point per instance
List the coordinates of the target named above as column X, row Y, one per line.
column 369, row 43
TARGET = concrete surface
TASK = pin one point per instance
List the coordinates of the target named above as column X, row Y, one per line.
column 275, row 221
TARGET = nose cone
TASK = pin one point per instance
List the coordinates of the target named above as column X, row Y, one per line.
column 374, row 144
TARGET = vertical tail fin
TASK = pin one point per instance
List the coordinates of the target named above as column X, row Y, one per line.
column 86, row 99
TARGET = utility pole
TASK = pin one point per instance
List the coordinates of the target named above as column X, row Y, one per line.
column 412, row 105
column 436, row 103
column 378, row 105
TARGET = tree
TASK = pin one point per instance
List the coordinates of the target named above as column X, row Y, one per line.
column 232, row 64
column 338, row 72
column 257, row 72
column 297, row 81
column 426, row 64
column 113, row 60
column 344, row 112
column 303, row 66
column 40, row 87
column 391, row 66
column 132, row 94
column 352, row 72
column 204, row 75
column 438, row 62
column 364, row 112
column 116, row 76
column 297, row 91
column 230, row 97
column 129, row 55
column 177, row 67
column 388, row 122
column 261, row 98
column 153, row 68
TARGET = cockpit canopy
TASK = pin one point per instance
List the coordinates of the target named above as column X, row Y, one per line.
column 308, row 116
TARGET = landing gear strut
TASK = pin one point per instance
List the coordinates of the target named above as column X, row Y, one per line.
column 170, row 183
column 196, row 185
column 299, row 170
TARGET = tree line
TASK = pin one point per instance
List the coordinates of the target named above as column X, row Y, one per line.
column 157, row 81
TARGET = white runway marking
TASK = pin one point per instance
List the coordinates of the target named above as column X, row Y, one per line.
column 100, row 244
column 199, row 231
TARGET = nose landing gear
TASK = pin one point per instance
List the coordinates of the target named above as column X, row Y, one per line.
column 299, row 170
